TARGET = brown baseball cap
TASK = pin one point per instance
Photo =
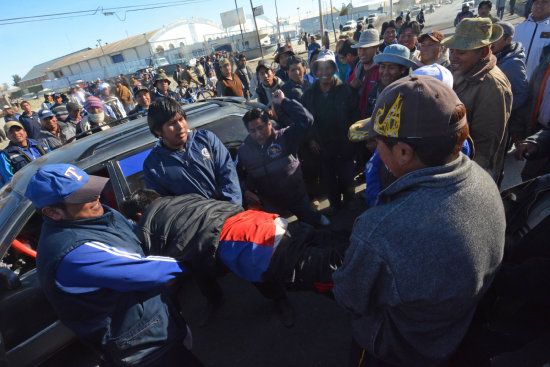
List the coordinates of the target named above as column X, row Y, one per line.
column 435, row 35
column 400, row 111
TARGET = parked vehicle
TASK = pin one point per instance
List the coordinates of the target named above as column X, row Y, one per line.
column 29, row 327
column 29, row 96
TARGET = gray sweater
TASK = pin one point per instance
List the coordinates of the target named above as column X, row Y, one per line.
column 418, row 265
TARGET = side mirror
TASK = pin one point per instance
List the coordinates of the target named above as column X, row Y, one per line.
column 8, row 280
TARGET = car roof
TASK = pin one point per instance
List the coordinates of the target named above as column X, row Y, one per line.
column 117, row 140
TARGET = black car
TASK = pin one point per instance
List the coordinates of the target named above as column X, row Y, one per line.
column 29, row 327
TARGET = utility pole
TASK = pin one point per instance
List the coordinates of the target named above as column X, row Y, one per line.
column 257, row 32
column 299, row 23
column 321, row 18
column 278, row 24
column 332, row 18
column 240, row 26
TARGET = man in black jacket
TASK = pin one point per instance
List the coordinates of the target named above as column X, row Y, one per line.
column 334, row 107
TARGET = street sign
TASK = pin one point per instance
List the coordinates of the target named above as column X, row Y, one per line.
column 258, row 10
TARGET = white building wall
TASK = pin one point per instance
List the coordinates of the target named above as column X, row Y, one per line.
column 130, row 55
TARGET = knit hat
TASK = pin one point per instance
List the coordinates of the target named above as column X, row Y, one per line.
column 93, row 102
column 507, row 27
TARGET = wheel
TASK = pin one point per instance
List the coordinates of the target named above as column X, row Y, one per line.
column 205, row 94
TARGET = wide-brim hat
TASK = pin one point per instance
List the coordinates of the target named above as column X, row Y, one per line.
column 473, row 33
column 368, row 38
column 396, row 54
column 283, row 50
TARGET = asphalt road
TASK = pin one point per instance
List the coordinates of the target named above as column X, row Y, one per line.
column 245, row 332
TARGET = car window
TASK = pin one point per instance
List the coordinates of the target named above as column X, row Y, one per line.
column 132, row 169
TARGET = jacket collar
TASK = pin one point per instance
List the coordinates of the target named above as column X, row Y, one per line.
column 479, row 71
column 448, row 174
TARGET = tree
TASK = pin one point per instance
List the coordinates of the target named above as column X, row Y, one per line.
column 16, row 79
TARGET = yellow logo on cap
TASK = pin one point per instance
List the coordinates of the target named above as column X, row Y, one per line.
column 390, row 126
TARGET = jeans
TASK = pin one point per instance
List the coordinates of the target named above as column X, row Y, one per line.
column 500, row 12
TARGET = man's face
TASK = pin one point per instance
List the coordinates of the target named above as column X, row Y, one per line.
column 283, row 59
column 388, row 156
column 501, row 44
column 58, row 100
column 408, row 38
column 8, row 112
column 17, row 136
column 174, row 132
column 349, row 58
column 389, row 35
column 430, row 51
column 162, row 85
column 27, row 108
column 399, row 23
column 260, row 131
column 366, row 54
column 389, row 73
column 324, row 71
column 540, row 10
column 143, row 99
column 226, row 69
column 49, row 98
column 92, row 209
column 296, row 73
column 266, row 77
column 179, row 68
column 76, row 114
column 484, row 11
column 243, row 61
column 464, row 60
column 50, row 123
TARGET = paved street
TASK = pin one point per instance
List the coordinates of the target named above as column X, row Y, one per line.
column 245, row 332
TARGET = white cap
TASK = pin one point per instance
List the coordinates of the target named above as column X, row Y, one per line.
column 437, row 71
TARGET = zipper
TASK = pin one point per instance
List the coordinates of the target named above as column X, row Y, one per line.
column 531, row 43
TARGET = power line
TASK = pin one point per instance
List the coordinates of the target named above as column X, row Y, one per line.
column 79, row 13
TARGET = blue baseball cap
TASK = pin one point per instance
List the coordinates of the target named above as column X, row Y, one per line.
column 66, row 183
column 44, row 113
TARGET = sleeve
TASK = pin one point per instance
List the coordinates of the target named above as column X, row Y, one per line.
column 301, row 118
column 372, row 177
column 542, row 140
column 96, row 265
column 152, row 179
column 6, row 170
column 488, row 122
column 219, row 88
column 226, row 172
column 121, row 108
column 363, row 275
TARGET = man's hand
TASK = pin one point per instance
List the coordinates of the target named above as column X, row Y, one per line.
column 356, row 83
column 252, row 199
column 525, row 150
column 315, row 147
column 516, row 138
column 278, row 97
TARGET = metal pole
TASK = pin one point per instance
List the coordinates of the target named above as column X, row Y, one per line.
column 332, row 18
column 278, row 26
column 321, row 18
column 239, row 18
column 391, row 9
column 257, row 32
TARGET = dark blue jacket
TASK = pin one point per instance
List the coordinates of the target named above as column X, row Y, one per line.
column 13, row 157
column 204, row 167
column 31, row 124
column 510, row 61
column 273, row 169
column 129, row 327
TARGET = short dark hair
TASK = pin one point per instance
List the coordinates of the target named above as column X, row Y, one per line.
column 313, row 54
column 347, row 49
column 294, row 60
column 162, row 110
column 242, row 56
column 256, row 113
column 391, row 24
column 398, row 19
column 440, row 150
column 485, row 2
column 138, row 202
column 413, row 25
column 22, row 102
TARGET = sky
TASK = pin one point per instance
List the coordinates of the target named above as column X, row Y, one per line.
column 32, row 43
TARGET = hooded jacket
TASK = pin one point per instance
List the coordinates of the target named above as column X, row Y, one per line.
column 510, row 61
column 415, row 270
column 530, row 34
column 487, row 95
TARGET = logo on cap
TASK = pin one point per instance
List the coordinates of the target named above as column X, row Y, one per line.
column 389, row 127
column 71, row 172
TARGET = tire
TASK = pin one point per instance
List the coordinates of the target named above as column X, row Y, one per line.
column 207, row 95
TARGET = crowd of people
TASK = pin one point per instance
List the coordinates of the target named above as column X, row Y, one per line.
column 424, row 119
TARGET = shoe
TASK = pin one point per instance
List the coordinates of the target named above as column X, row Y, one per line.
column 285, row 312
column 324, row 221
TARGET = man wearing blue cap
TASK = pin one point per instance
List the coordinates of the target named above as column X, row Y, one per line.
column 19, row 152
column 94, row 273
